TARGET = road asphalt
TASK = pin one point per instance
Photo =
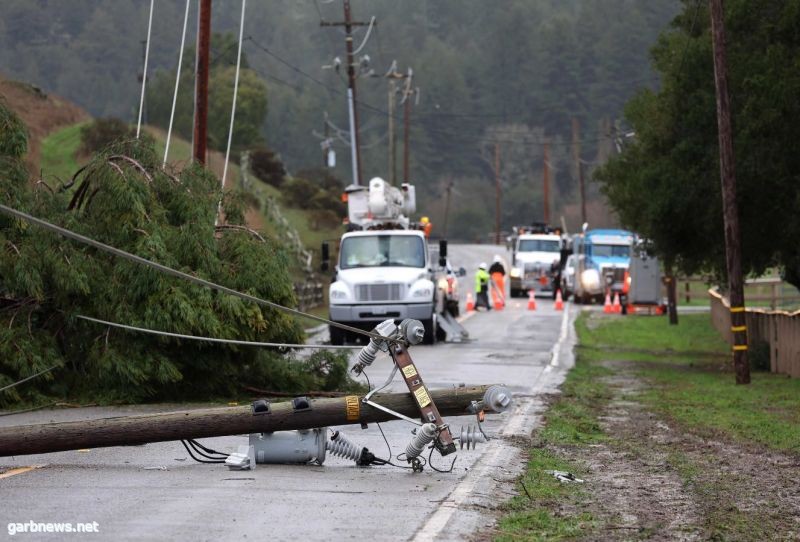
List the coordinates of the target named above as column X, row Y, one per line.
column 155, row 492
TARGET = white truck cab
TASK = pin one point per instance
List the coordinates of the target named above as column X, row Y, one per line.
column 533, row 259
column 384, row 268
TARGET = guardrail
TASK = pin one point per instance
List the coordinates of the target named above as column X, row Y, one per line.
column 779, row 329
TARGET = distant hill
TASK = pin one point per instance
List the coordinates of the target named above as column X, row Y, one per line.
column 43, row 113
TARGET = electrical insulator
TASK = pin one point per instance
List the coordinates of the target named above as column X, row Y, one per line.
column 470, row 436
column 340, row 446
column 367, row 354
column 424, row 436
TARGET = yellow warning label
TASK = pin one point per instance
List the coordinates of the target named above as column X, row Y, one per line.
column 352, row 407
column 422, row 396
column 409, row 371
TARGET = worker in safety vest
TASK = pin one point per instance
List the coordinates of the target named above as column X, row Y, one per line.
column 426, row 226
column 498, row 273
column 482, row 288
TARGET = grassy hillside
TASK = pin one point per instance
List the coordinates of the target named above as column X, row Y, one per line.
column 60, row 159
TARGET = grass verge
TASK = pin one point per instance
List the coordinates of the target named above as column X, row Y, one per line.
column 688, row 382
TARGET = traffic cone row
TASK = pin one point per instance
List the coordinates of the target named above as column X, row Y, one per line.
column 559, row 304
column 470, row 303
column 616, row 307
column 607, row 308
column 531, row 300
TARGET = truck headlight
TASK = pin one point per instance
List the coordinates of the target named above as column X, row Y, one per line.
column 422, row 292
column 338, row 293
column 442, row 284
column 590, row 280
column 516, row 272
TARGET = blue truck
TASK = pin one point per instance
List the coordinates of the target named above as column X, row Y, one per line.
column 601, row 261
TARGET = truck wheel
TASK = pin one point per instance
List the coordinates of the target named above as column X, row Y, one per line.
column 337, row 335
column 430, row 331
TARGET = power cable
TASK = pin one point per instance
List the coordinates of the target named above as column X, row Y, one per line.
column 177, row 84
column 144, row 72
column 233, row 110
column 18, row 382
column 69, row 234
column 211, row 339
column 366, row 37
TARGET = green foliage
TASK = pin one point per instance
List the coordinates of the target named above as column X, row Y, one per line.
column 666, row 184
column 102, row 132
column 134, row 205
column 266, row 165
column 530, row 63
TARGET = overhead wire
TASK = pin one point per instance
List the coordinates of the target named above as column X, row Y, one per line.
column 212, row 339
column 177, row 84
column 233, row 111
column 31, row 377
column 144, row 71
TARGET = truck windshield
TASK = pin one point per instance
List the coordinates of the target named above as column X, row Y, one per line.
column 382, row 251
column 611, row 251
column 538, row 245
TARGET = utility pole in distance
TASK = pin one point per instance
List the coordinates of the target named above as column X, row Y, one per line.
column 352, row 101
column 407, row 93
column 497, row 193
column 576, row 149
column 447, row 206
column 201, row 83
column 393, row 76
column 733, row 249
column 546, row 183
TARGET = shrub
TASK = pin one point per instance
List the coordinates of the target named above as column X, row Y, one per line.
column 100, row 133
column 323, row 178
column 299, row 193
column 266, row 165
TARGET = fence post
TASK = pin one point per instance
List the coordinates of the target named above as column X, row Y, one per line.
column 688, row 293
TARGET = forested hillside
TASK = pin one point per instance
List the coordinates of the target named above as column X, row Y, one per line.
column 513, row 73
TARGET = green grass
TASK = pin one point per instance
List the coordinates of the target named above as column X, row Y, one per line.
column 59, row 150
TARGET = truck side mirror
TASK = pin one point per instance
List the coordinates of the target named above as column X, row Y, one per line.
column 462, row 272
column 442, row 252
column 326, row 257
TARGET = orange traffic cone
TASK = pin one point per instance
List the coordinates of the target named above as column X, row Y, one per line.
column 531, row 300
column 607, row 308
column 470, row 303
column 559, row 304
column 616, row 307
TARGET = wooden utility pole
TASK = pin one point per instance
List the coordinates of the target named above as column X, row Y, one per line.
column 393, row 75
column 497, row 193
column 730, row 213
column 449, row 189
column 352, row 100
column 407, row 93
column 546, row 183
column 201, row 83
column 215, row 422
column 576, row 150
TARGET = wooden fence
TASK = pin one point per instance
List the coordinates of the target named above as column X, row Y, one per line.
column 779, row 329
column 310, row 294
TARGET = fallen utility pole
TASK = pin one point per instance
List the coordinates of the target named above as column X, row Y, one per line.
column 302, row 413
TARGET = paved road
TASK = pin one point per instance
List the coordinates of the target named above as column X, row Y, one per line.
column 123, row 491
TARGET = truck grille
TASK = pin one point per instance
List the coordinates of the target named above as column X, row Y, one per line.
column 380, row 292
column 534, row 270
column 616, row 274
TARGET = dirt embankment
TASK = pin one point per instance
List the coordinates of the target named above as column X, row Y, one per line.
column 42, row 113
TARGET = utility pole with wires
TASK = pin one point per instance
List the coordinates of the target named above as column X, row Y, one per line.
column 393, row 76
column 546, row 182
column 576, row 149
column 497, row 192
column 201, row 82
column 730, row 214
column 449, row 189
column 352, row 100
column 407, row 93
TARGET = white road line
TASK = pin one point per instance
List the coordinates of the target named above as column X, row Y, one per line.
column 561, row 337
column 433, row 528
